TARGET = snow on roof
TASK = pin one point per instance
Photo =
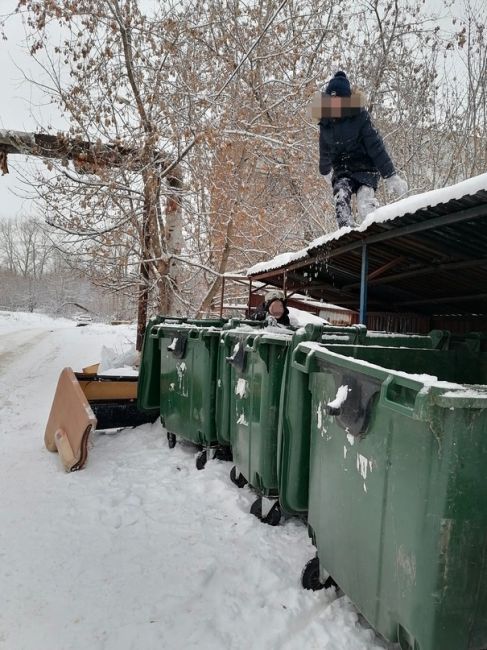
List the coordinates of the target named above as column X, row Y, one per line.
column 284, row 259
column 409, row 205
column 306, row 300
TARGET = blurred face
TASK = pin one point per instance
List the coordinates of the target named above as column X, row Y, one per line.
column 276, row 309
column 335, row 106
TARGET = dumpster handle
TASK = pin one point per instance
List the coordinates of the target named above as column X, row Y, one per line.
column 237, row 358
column 154, row 332
column 254, row 344
column 159, row 332
column 303, row 359
column 409, row 384
column 345, row 329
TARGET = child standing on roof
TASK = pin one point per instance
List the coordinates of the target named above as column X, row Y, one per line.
column 352, row 153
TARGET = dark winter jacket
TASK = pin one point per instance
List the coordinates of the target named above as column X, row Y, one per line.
column 262, row 312
column 354, row 149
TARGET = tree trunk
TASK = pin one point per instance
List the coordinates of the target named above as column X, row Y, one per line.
column 174, row 242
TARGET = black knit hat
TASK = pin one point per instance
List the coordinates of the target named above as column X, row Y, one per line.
column 339, row 85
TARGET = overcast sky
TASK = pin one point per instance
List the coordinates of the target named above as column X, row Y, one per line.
column 24, row 109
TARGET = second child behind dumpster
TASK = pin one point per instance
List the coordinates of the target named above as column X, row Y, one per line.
column 352, row 154
column 274, row 307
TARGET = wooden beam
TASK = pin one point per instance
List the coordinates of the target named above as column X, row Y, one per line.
column 434, row 268
column 381, row 270
column 86, row 155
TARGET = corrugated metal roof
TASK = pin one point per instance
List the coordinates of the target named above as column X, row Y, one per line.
column 430, row 261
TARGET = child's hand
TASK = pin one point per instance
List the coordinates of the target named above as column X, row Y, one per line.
column 396, row 185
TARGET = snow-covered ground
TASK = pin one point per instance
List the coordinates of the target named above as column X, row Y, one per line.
column 139, row 550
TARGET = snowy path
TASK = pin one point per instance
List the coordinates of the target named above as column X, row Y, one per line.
column 139, row 550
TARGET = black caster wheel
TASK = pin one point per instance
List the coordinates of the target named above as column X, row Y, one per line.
column 201, row 459
column 256, row 508
column 223, row 453
column 272, row 518
column 171, row 440
column 329, row 582
column 240, row 481
column 310, row 578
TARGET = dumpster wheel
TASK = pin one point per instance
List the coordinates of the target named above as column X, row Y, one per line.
column 240, row 481
column 310, row 578
column 171, row 440
column 273, row 517
column 201, row 459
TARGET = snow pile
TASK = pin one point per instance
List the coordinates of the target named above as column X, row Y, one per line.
column 118, row 361
column 300, row 318
column 12, row 321
column 139, row 550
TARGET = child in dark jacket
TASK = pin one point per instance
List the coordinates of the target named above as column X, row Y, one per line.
column 274, row 307
column 352, row 153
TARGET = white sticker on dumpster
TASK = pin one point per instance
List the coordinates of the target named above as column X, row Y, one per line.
column 318, row 413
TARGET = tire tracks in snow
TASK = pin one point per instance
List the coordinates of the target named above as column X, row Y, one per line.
column 16, row 344
column 24, row 383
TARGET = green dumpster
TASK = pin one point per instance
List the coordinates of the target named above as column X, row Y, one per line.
column 295, row 420
column 188, row 378
column 359, row 335
column 223, row 389
column 294, row 423
column 431, row 340
column 148, row 389
column 398, row 488
column 257, row 368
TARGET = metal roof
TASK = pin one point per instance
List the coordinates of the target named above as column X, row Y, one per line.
column 430, row 261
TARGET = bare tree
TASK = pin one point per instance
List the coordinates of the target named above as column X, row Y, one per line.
column 25, row 247
column 213, row 98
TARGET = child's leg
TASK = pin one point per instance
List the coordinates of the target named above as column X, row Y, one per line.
column 366, row 201
column 342, row 193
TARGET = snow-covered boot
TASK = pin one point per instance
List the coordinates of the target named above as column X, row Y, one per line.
column 342, row 194
column 366, row 201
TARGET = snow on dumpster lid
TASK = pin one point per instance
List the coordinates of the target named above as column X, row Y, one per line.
column 389, row 212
